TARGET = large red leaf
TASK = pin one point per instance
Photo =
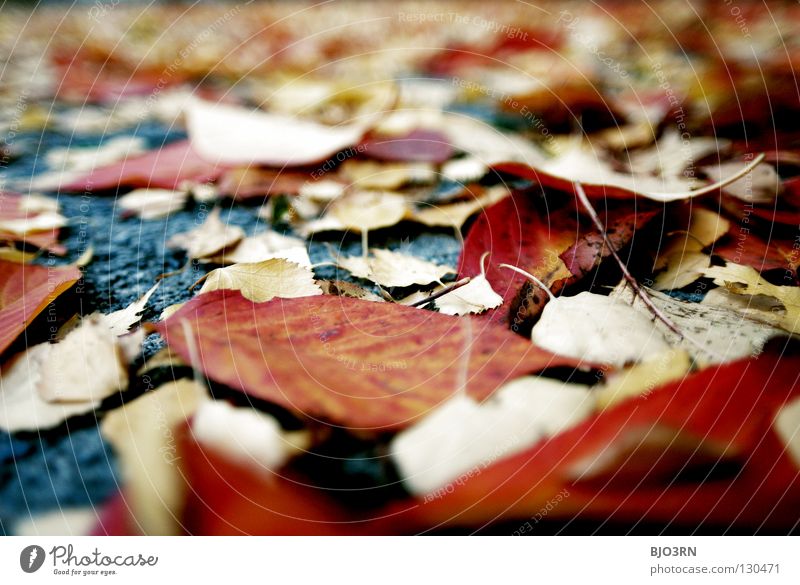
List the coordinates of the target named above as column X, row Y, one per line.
column 25, row 290
column 350, row 362
column 165, row 168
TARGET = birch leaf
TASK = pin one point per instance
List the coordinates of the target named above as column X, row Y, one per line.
column 207, row 239
column 474, row 297
column 232, row 135
column 266, row 246
column 142, row 433
column 390, row 269
column 120, row 321
column 456, row 214
column 598, row 329
column 87, row 365
column 369, row 210
column 600, row 179
column 464, row 436
column 21, row 406
column 760, row 185
column 755, row 297
column 153, row 203
column 263, row 281
column 712, row 335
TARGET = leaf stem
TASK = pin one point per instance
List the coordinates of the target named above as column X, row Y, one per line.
column 440, row 292
column 631, row 280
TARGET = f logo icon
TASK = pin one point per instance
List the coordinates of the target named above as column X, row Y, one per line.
column 31, row 558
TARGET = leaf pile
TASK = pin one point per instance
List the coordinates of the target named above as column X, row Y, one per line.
column 606, row 317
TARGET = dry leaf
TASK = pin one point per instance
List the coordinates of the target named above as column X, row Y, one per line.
column 644, row 377
column 787, row 426
column 143, row 436
column 598, row 329
column 119, row 322
column 711, row 335
column 474, row 297
column 388, row 268
column 266, row 246
column 342, row 288
column 86, row 366
column 208, row 239
column 376, row 176
column 25, row 290
column 348, row 361
column 368, row 210
column 456, row 214
column 243, row 435
column 464, row 437
column 21, row 406
column 758, row 299
column 153, row 203
column 263, row 281
column 237, row 136
column 761, row 185
column 681, row 258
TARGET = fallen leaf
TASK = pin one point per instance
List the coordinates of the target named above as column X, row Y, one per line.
column 207, row 239
column 142, row 433
column 599, row 329
column 787, row 426
column 754, row 296
column 153, row 203
column 370, row 175
column 463, row 436
column 86, row 366
column 21, row 406
column 517, row 232
column 266, row 246
column 474, row 297
column 25, row 291
column 642, row 378
column 599, row 179
column 681, row 259
column 165, row 168
column 418, row 145
column 342, row 288
column 761, row 185
column 243, row 435
column 119, row 322
column 233, row 135
column 351, row 362
column 388, row 268
column 250, row 182
column 711, row 335
column 456, row 214
column 368, row 210
column 263, row 281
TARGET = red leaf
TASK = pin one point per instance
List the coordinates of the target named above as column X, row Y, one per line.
column 25, row 290
column 165, row 168
column 722, row 413
column 10, row 208
column 248, row 182
column 514, row 231
column 418, row 145
column 351, row 362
